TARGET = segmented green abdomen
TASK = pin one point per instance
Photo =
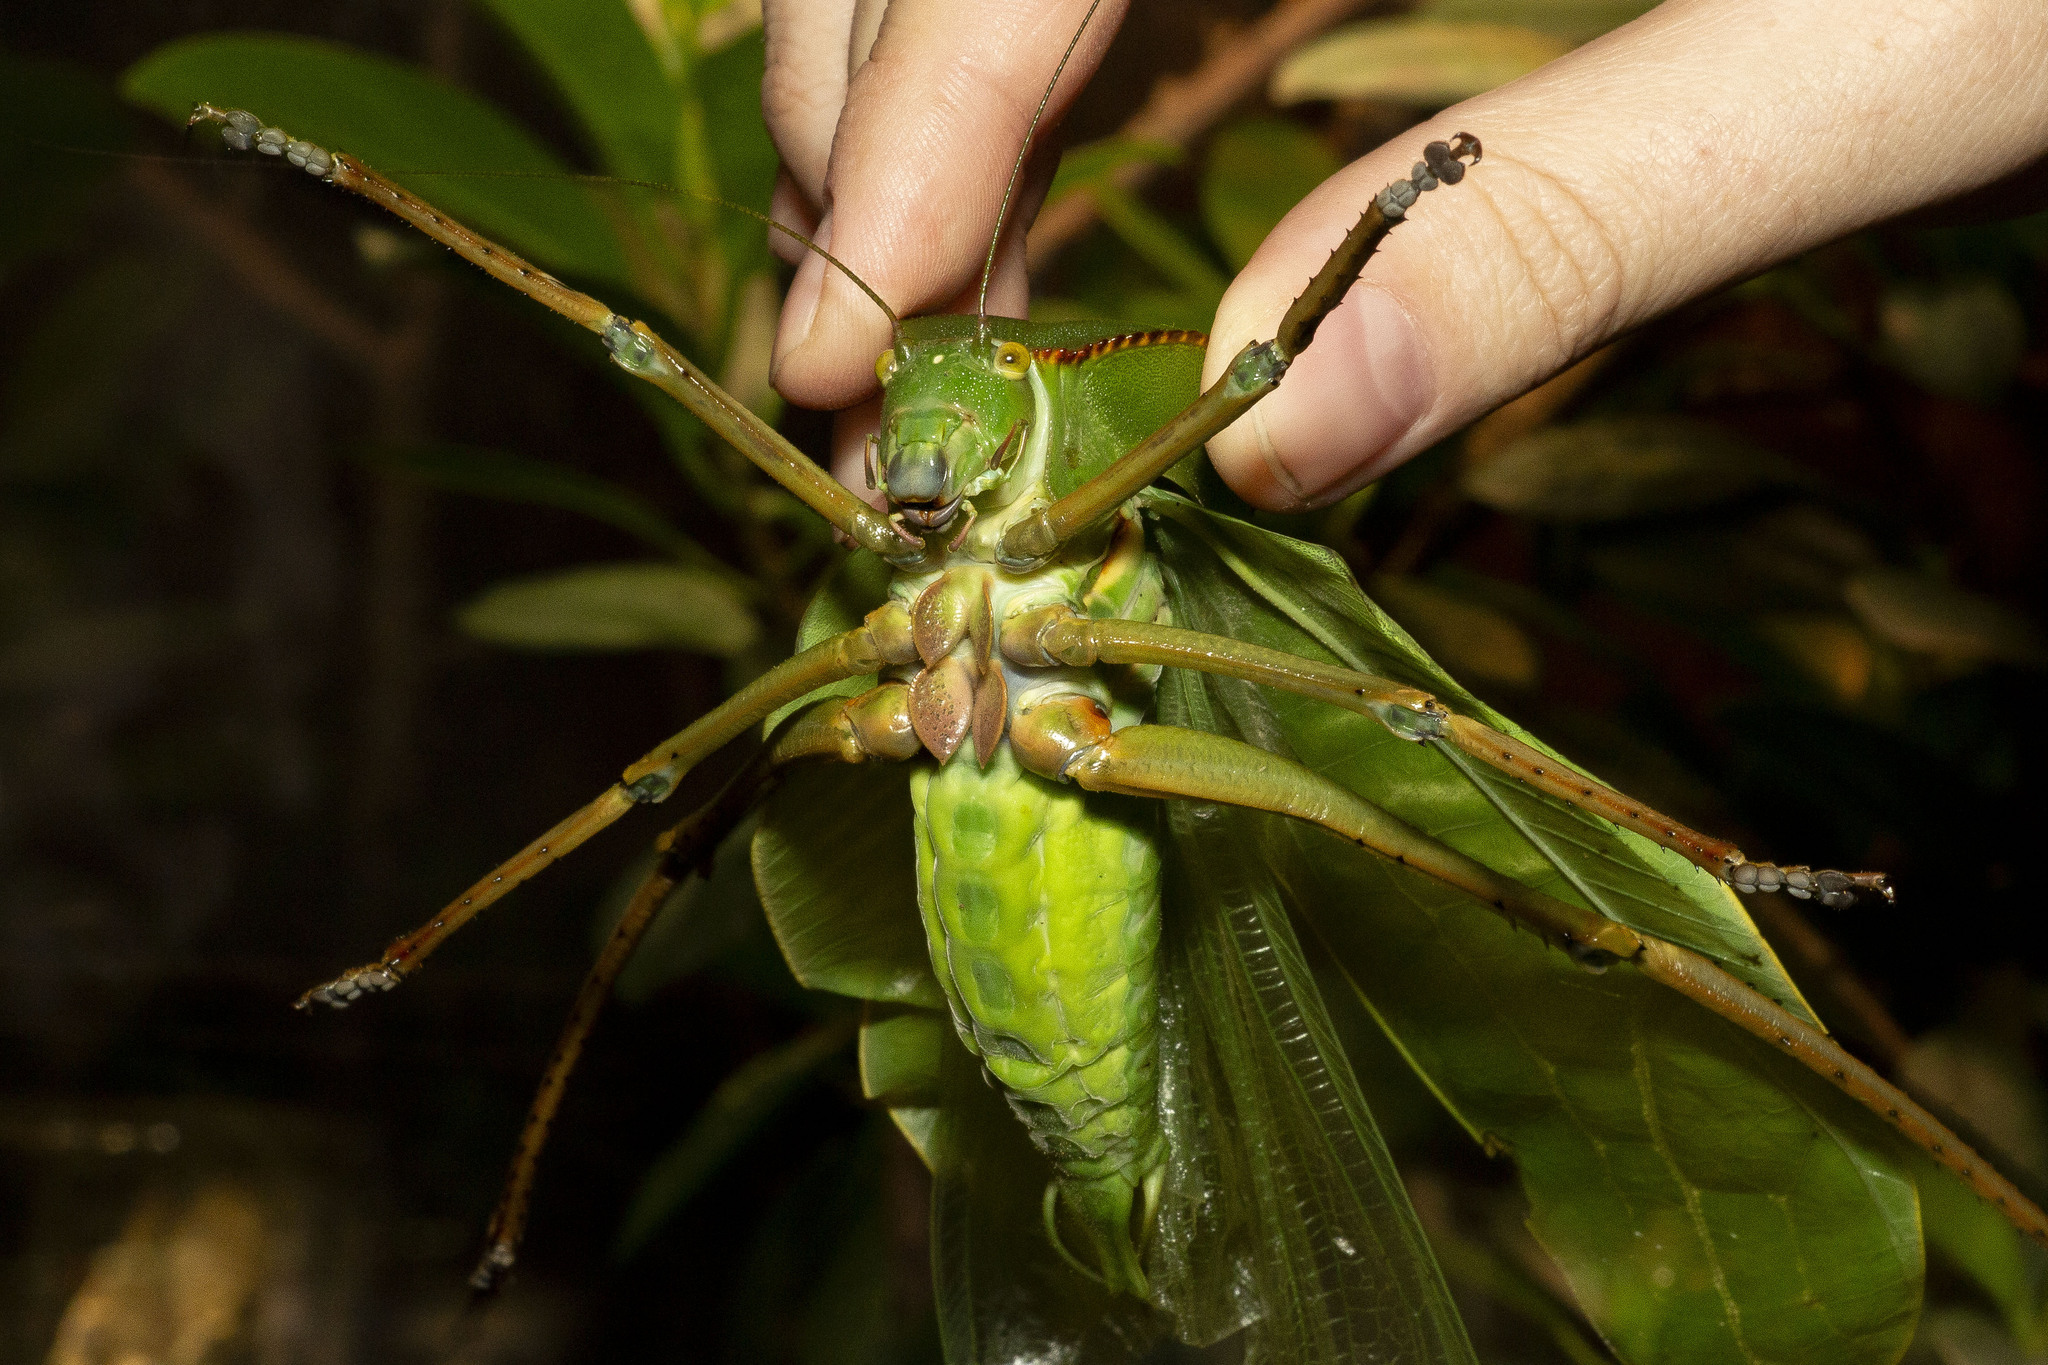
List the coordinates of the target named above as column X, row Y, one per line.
column 1041, row 906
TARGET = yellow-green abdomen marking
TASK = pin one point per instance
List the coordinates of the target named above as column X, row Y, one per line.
column 1041, row 907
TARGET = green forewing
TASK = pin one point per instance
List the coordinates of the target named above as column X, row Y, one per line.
column 1707, row 1199
column 1118, row 399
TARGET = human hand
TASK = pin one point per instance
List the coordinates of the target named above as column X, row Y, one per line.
column 1701, row 143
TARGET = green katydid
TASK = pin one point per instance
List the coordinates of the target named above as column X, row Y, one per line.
column 1005, row 620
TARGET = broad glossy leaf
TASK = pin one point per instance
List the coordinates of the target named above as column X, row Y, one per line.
column 615, row 606
column 1411, row 61
column 414, row 128
column 1231, row 578
column 834, row 863
column 1608, row 468
column 521, row 478
column 1708, row 1199
column 1257, row 170
column 739, row 1106
column 607, row 73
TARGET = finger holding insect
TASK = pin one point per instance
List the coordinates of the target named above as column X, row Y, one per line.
column 920, row 160
column 1640, row 171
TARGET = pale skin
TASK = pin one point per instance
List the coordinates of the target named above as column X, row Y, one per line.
column 1701, row 144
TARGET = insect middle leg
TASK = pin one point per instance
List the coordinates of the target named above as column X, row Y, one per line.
column 1032, row 540
column 883, row 639
column 875, row 725
column 1056, row 635
column 1069, row 738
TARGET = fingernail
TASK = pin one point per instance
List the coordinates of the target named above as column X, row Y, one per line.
column 1339, row 418
column 800, row 305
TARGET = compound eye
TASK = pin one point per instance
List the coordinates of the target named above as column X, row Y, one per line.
column 885, row 365
column 1013, row 360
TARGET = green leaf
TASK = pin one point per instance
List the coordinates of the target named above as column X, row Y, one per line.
column 544, row 483
column 1162, row 246
column 1411, row 61
column 736, row 1110
column 1707, row 1199
column 615, row 606
column 1257, row 170
column 1084, row 166
column 1611, row 468
column 833, row 861
column 1573, row 20
column 601, row 62
column 450, row 147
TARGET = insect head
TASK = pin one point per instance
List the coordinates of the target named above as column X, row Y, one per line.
column 955, row 409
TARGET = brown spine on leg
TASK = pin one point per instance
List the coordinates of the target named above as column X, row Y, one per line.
column 1049, row 735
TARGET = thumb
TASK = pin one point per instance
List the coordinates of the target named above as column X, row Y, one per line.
column 1699, row 144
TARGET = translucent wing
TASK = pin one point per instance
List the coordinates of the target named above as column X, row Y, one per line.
column 1704, row 1196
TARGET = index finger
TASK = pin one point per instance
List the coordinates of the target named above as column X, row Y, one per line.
column 933, row 123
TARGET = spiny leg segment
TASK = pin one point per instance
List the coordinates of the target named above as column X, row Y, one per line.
column 1057, row 635
column 1033, row 540
column 636, row 348
column 883, row 639
column 1070, row 739
column 874, row 725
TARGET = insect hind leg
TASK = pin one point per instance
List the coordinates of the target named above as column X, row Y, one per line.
column 875, row 725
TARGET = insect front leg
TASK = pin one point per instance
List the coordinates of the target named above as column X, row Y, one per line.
column 883, row 639
column 633, row 345
column 1071, row 740
column 875, row 725
column 1059, row 635
column 1033, row 540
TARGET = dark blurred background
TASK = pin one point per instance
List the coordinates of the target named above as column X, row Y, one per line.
column 1775, row 563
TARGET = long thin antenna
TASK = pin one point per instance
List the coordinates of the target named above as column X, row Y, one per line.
column 988, row 268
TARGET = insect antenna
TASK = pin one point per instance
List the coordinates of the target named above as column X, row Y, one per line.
column 988, row 268
column 895, row 323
